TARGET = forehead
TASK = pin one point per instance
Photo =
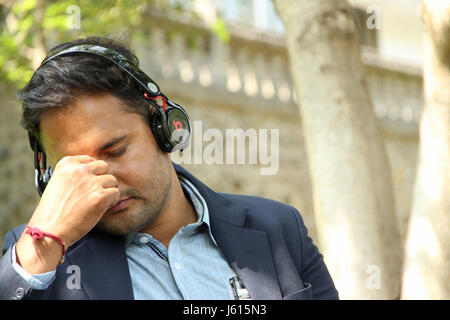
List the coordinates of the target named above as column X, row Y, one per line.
column 81, row 128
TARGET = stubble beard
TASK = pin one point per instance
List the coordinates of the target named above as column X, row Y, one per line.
column 147, row 212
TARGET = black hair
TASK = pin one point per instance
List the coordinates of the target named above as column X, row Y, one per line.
column 59, row 82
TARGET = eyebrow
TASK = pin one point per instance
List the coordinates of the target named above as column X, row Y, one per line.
column 112, row 143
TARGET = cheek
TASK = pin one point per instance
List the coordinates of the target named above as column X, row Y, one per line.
column 132, row 169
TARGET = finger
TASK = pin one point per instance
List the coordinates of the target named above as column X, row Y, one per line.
column 70, row 160
column 83, row 158
column 98, row 167
column 112, row 195
column 108, row 181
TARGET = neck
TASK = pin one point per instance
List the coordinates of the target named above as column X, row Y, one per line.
column 177, row 213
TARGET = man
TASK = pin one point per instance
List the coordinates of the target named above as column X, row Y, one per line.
column 119, row 220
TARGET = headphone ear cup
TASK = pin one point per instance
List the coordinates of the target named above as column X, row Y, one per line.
column 44, row 180
column 179, row 128
column 47, row 175
column 171, row 128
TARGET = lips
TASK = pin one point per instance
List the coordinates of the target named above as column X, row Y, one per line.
column 121, row 205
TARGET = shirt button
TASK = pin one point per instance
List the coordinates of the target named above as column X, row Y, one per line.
column 143, row 240
column 19, row 293
column 177, row 266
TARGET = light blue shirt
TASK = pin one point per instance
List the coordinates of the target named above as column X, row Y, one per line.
column 193, row 267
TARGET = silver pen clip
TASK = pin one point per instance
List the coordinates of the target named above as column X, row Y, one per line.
column 239, row 290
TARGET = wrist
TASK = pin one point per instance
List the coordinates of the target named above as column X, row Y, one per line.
column 38, row 256
column 37, row 234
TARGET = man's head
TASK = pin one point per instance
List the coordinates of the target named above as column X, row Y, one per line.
column 85, row 104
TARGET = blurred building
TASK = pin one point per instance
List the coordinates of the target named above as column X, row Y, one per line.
column 245, row 83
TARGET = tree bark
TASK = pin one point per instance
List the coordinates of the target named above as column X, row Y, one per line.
column 427, row 262
column 350, row 172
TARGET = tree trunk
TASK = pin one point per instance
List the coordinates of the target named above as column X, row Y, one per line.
column 427, row 262
column 39, row 49
column 350, row 172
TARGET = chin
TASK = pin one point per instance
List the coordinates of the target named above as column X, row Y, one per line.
column 126, row 222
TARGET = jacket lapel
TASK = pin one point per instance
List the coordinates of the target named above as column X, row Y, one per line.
column 247, row 251
column 103, row 267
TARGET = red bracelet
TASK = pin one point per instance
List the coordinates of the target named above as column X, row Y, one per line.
column 37, row 234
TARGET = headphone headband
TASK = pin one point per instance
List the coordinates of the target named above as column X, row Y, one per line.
column 146, row 84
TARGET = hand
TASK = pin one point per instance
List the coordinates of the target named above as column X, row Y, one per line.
column 76, row 197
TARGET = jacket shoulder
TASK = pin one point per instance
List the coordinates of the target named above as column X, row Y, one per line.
column 265, row 210
column 255, row 201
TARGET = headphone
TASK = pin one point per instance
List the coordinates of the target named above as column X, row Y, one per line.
column 170, row 124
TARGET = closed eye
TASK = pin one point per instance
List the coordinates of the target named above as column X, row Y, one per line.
column 117, row 153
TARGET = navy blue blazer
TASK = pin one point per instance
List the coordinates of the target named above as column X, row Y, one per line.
column 264, row 241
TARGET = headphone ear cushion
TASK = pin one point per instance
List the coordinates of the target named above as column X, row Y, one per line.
column 157, row 128
column 171, row 129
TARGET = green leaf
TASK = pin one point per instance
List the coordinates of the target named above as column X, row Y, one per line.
column 219, row 28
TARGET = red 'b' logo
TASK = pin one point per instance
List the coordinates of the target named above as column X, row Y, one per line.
column 178, row 125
